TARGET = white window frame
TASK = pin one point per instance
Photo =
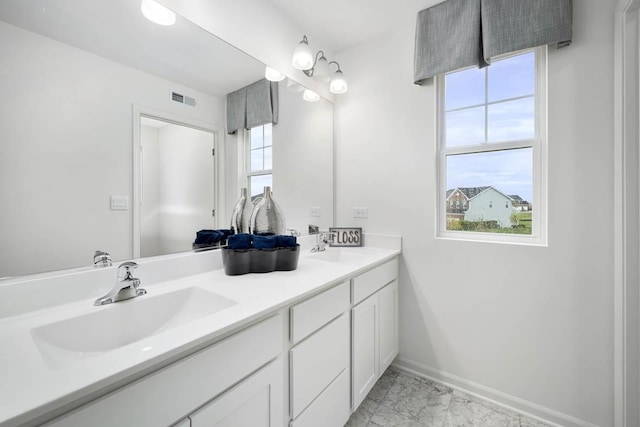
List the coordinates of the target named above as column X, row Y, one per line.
column 538, row 145
column 247, row 161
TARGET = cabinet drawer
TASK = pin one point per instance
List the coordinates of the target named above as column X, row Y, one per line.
column 317, row 361
column 366, row 284
column 166, row 396
column 331, row 408
column 311, row 315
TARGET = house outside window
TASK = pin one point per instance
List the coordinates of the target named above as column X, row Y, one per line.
column 259, row 160
column 492, row 150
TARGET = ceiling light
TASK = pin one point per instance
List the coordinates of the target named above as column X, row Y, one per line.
column 155, row 12
column 273, row 75
column 302, row 55
column 319, row 68
column 310, row 96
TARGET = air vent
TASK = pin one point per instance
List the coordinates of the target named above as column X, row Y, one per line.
column 186, row 100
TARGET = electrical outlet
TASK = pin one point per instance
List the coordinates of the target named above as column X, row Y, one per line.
column 361, row 212
column 314, row 212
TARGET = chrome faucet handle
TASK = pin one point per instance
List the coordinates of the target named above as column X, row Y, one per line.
column 101, row 259
column 126, row 286
column 125, row 269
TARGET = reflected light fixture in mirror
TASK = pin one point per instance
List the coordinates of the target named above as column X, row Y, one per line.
column 310, row 96
column 273, row 75
column 303, row 59
column 157, row 13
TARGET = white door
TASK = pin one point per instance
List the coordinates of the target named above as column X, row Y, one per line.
column 178, row 186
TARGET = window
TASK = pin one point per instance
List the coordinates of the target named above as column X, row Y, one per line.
column 491, row 145
column 259, row 160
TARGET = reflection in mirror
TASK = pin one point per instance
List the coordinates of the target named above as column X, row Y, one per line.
column 177, row 195
column 70, row 82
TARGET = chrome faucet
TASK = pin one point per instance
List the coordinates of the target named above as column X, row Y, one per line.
column 101, row 259
column 126, row 287
column 323, row 239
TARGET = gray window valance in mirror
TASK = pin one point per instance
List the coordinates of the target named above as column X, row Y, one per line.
column 253, row 105
column 461, row 33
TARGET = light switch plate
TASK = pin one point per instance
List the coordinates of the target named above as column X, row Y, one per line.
column 119, row 203
column 361, row 212
column 314, row 212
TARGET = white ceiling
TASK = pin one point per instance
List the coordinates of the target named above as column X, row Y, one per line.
column 183, row 53
column 341, row 24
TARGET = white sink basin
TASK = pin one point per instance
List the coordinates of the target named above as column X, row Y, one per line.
column 123, row 323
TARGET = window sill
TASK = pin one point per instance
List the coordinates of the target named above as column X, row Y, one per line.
column 500, row 238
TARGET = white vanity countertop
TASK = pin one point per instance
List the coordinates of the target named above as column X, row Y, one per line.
column 30, row 387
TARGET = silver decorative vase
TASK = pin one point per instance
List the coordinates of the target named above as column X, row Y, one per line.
column 241, row 215
column 267, row 217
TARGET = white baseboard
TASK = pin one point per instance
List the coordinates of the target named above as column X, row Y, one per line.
column 529, row 409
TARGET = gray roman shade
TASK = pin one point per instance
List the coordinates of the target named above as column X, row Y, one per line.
column 253, row 105
column 511, row 25
column 460, row 33
column 448, row 37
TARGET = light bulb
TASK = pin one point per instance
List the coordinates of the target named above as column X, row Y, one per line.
column 302, row 56
column 310, row 96
column 157, row 13
column 338, row 83
column 273, row 75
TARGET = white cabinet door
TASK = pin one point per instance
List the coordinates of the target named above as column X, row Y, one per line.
column 255, row 402
column 364, row 356
column 388, row 321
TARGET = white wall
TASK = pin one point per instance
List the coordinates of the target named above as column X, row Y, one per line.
column 533, row 324
column 66, row 147
column 303, row 159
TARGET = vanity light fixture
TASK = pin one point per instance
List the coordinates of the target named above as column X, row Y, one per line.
column 302, row 55
column 318, row 67
column 273, row 75
column 338, row 82
column 157, row 13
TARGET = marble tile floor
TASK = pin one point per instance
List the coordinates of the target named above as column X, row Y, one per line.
column 400, row 399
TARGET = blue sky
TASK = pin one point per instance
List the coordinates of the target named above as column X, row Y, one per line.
column 476, row 95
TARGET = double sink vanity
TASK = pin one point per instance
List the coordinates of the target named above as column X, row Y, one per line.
column 298, row 348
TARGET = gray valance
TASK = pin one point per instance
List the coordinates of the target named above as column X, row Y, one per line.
column 511, row 25
column 447, row 38
column 460, row 33
column 253, row 105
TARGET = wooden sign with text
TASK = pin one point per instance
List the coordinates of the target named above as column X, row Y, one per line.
column 345, row 237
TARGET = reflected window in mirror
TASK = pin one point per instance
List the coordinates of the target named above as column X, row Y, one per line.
column 259, row 170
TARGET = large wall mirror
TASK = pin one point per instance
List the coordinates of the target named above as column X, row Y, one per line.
column 103, row 110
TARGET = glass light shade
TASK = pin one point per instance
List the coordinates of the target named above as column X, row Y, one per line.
column 310, row 96
column 157, row 13
column 273, row 75
column 321, row 70
column 302, row 56
column 338, row 83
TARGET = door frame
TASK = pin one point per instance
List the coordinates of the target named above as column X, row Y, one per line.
column 626, row 295
column 219, row 198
